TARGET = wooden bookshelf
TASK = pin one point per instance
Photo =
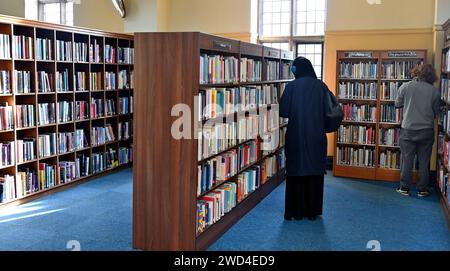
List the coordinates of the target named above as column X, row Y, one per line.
column 50, row 64
column 444, row 136
column 371, row 169
column 166, row 169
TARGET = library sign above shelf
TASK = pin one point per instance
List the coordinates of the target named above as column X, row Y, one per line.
column 358, row 55
column 405, row 54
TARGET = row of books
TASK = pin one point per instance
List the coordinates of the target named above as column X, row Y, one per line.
column 225, row 166
column 272, row 165
column 45, row 82
column 64, row 50
column 125, row 130
column 125, row 79
column 358, row 157
column 443, row 183
column 216, row 204
column 110, row 54
column 6, row 117
column 389, row 90
column 95, row 81
column 72, row 141
column 81, row 110
column 216, row 102
column 80, row 81
column 357, row 90
column 217, row 137
column 391, row 114
column 399, row 69
column 248, row 128
column 110, row 80
column 446, row 61
column 97, row 108
column 271, row 70
column 102, row 135
column 26, row 150
column 356, row 134
column 47, row 145
column 5, row 82
column 44, row 49
column 62, row 81
column 358, row 70
column 354, row 112
column 81, row 51
column 286, row 73
column 65, row 111
column 46, row 113
column 270, row 141
column 27, row 181
column 95, row 52
column 445, row 89
column 25, row 116
column 390, row 137
column 23, row 47
column 217, row 69
column 22, row 82
column 125, row 55
column 5, row 46
column 7, row 153
column 390, row 159
column 251, row 70
column 126, row 105
column 110, row 107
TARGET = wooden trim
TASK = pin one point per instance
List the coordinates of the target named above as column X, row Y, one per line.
column 38, row 24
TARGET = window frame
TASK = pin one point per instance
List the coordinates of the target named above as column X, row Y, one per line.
column 292, row 40
column 62, row 10
column 322, row 55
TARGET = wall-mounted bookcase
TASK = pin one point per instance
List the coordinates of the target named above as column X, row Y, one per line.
column 60, row 124
column 367, row 143
column 444, row 127
column 178, row 181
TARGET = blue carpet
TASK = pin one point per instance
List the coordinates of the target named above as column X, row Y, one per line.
column 98, row 215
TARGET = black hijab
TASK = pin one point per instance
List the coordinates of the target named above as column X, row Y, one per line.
column 303, row 68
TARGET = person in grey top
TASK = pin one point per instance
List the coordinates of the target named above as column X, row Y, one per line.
column 420, row 102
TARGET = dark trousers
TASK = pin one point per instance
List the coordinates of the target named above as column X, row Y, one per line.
column 418, row 142
column 304, row 197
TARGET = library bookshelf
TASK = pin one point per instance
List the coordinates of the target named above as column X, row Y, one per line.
column 172, row 179
column 444, row 127
column 367, row 144
column 52, row 133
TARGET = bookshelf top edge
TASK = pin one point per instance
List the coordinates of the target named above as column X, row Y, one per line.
column 5, row 19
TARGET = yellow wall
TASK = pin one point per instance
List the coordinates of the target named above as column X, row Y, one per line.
column 12, row 7
column 230, row 18
column 141, row 16
column 358, row 14
column 98, row 14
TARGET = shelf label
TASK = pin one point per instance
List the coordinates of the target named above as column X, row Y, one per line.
column 358, row 55
column 221, row 45
column 402, row 54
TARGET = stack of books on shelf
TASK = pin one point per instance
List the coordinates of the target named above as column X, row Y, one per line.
column 390, row 137
column 446, row 61
column 6, row 117
column 22, row 81
column 45, row 82
column 95, row 52
column 26, row 150
column 220, row 101
column 62, row 81
column 7, row 188
column 286, row 73
column 95, row 81
column 81, row 110
column 65, row 111
column 251, row 70
column 110, row 107
column 216, row 69
column 125, row 155
column 67, row 171
column 102, row 135
column 7, row 157
column 359, row 113
column 390, row 159
column 23, row 47
column 97, row 108
column 124, row 105
column 398, row 70
column 64, row 51
column 358, row 90
column 390, row 114
column 47, row 145
column 218, row 137
column 98, row 162
column 25, row 116
column 389, row 90
column 47, row 175
column 112, row 160
column 357, row 157
column 44, row 49
column 110, row 80
column 5, row 82
column 125, row 130
column 272, row 70
column 66, row 142
column 80, row 52
column 110, row 54
column 364, row 135
column 125, row 55
column 46, row 113
column 123, row 80
column 5, row 46
column 358, row 70
column 84, row 164
column 445, row 90
column 26, row 182
column 80, row 81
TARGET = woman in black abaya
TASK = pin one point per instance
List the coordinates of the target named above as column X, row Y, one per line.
column 306, row 142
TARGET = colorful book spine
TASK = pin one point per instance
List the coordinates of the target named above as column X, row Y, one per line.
column 5, row 46
column 65, row 111
column 95, row 81
column 6, row 117
column 356, row 134
column 23, row 47
column 46, row 113
column 5, row 82
column 81, row 52
column 45, row 82
column 357, row 90
column 22, row 81
column 44, row 49
column 399, row 70
column 358, row 70
column 25, row 116
column 47, row 145
column 62, row 81
column 217, row 69
column 64, row 51
column 357, row 157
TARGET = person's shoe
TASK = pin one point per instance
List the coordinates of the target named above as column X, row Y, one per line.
column 403, row 191
column 423, row 193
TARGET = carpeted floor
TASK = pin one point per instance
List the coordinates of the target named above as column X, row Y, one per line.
column 98, row 215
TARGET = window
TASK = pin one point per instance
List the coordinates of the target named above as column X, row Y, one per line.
column 294, row 25
column 282, row 46
column 313, row 52
column 50, row 11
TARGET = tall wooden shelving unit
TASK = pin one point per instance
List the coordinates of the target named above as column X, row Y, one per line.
column 165, row 169
column 374, row 170
column 17, row 26
column 444, row 134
